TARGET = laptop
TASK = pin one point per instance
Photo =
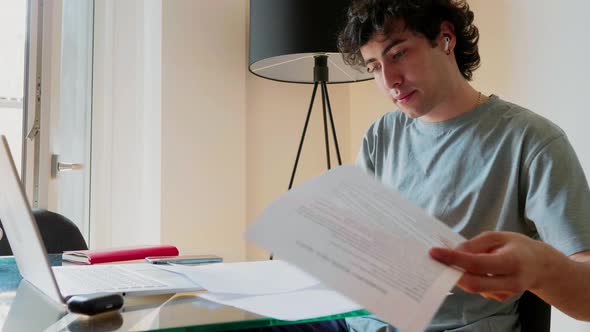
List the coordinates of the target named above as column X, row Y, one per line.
column 29, row 299
column 61, row 282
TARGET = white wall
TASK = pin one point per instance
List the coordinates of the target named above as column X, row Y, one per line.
column 126, row 154
column 537, row 55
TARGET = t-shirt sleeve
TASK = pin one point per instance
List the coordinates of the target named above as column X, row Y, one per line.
column 364, row 159
column 557, row 198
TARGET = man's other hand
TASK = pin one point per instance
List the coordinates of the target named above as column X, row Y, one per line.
column 498, row 265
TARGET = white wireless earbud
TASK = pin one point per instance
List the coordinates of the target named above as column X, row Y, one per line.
column 447, row 41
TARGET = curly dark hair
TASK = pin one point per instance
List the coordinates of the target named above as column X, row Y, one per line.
column 366, row 17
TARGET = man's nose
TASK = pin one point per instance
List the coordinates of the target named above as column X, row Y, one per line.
column 392, row 78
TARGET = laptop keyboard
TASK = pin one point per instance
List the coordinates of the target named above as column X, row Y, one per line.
column 102, row 278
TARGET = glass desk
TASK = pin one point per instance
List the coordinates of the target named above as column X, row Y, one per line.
column 24, row 308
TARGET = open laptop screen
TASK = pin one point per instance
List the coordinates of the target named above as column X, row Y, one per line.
column 21, row 228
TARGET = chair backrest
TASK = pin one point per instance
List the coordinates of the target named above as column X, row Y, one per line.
column 59, row 234
column 534, row 313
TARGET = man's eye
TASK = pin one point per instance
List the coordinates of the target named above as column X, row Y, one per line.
column 399, row 55
column 372, row 69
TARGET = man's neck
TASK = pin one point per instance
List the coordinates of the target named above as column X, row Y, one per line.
column 462, row 98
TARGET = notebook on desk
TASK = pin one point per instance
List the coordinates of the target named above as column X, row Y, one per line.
column 61, row 282
column 109, row 255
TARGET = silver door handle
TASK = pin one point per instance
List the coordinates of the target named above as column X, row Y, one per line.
column 68, row 167
column 57, row 166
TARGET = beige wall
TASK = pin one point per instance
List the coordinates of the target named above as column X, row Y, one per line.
column 275, row 118
column 367, row 104
column 203, row 126
column 229, row 138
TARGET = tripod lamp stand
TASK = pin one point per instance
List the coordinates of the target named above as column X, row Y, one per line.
column 295, row 41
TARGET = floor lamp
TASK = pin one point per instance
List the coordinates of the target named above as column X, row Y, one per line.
column 295, row 41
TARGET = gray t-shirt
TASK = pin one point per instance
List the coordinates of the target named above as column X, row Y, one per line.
column 499, row 167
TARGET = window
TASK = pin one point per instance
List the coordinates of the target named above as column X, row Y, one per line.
column 12, row 41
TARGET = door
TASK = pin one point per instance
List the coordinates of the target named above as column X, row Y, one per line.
column 61, row 179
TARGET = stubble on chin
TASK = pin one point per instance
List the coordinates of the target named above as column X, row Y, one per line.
column 412, row 113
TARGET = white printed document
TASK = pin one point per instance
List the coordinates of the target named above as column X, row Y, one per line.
column 246, row 278
column 363, row 240
column 306, row 303
column 272, row 288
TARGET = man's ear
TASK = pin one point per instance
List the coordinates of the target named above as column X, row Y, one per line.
column 447, row 36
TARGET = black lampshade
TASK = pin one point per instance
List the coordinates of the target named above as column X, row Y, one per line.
column 286, row 34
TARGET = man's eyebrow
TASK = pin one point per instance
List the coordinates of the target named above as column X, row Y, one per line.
column 389, row 46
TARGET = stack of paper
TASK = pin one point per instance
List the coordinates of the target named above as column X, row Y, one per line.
column 269, row 288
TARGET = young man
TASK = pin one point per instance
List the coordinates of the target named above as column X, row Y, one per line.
column 505, row 178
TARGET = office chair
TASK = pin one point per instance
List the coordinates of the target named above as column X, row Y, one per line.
column 58, row 233
column 534, row 313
